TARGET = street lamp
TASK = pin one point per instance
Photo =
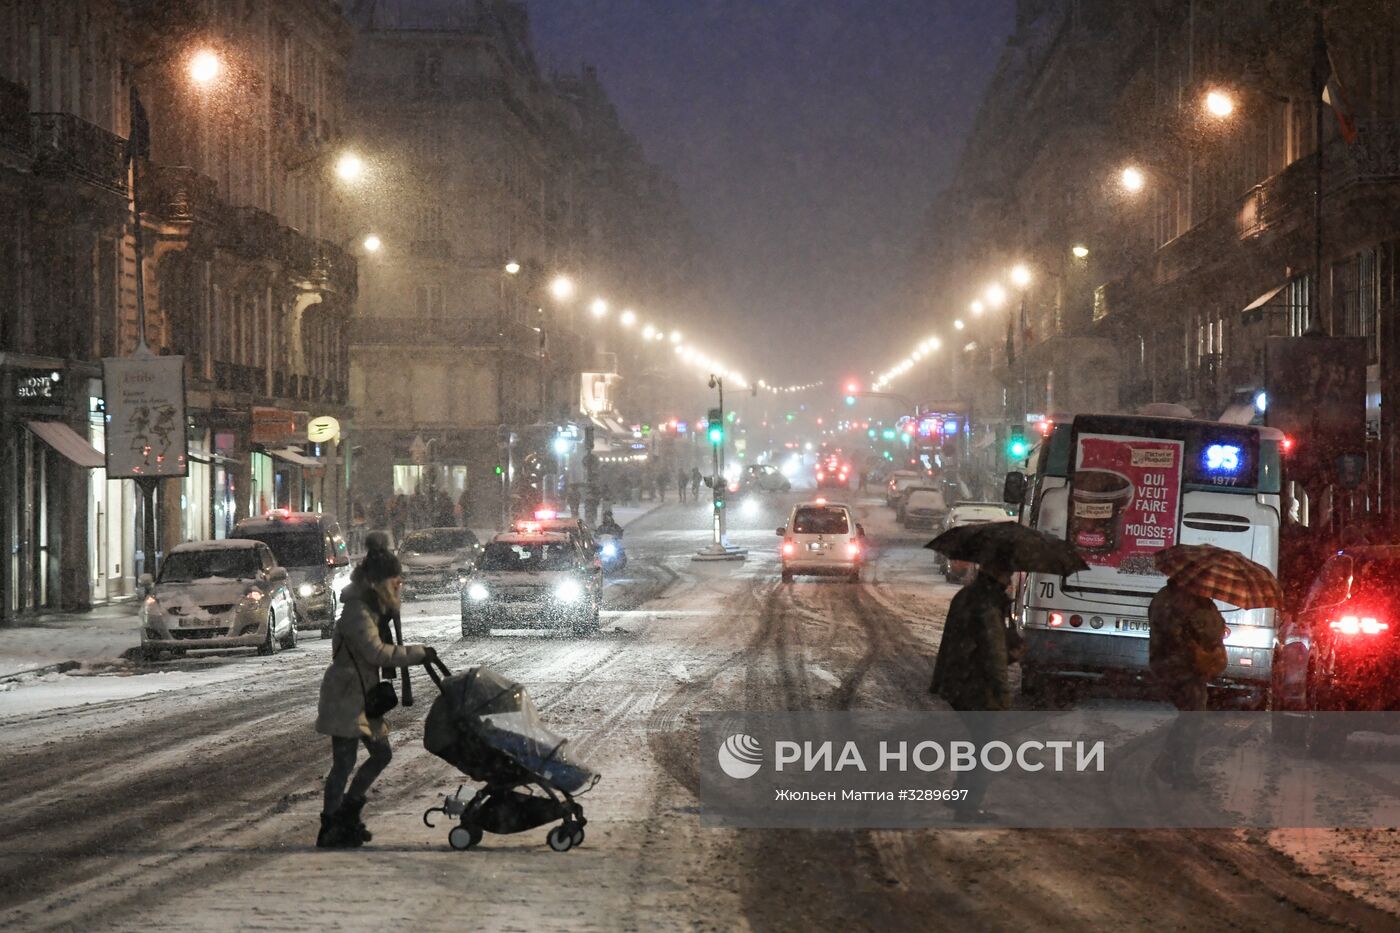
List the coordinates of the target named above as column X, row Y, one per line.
column 628, row 318
column 976, row 307
column 512, row 268
column 562, row 287
column 599, row 308
column 958, row 324
column 648, row 332
column 995, row 295
column 204, row 67
column 1219, row 104
column 349, row 167
column 1132, row 179
column 372, row 244
column 1080, row 251
column 1020, row 275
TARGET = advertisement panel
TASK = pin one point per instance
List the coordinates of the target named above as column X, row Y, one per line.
column 145, row 425
column 1125, row 501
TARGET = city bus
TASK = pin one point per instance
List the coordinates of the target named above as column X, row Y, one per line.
column 1121, row 488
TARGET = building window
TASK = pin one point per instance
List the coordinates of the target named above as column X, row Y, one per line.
column 1296, row 300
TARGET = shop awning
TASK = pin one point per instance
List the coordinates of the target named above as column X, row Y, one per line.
column 292, row 455
column 69, row 443
column 1264, row 299
column 199, row 456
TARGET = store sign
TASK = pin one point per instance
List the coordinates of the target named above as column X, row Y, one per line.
column 37, row 386
column 273, row 425
column 145, row 421
column 322, row 430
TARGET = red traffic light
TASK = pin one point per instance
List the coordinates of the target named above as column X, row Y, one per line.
column 1287, row 445
column 853, row 388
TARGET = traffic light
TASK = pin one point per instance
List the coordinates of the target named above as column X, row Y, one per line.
column 500, row 470
column 719, row 496
column 850, row 400
column 1016, row 447
column 716, row 428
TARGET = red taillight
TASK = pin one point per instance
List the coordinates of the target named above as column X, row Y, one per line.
column 1056, row 619
column 546, row 514
column 1358, row 625
column 853, row 549
column 1287, row 444
column 1076, row 621
column 789, row 548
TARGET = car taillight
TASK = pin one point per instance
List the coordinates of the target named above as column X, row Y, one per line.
column 789, row 548
column 1056, row 619
column 853, row 549
column 1358, row 625
column 819, row 474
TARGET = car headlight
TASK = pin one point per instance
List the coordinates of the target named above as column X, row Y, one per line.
column 569, row 591
column 477, row 593
column 610, row 550
column 307, row 590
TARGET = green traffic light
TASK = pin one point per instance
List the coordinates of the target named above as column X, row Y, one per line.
column 716, row 434
column 850, row 400
column 1018, row 448
column 500, row 471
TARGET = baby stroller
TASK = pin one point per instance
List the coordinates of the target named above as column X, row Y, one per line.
column 488, row 728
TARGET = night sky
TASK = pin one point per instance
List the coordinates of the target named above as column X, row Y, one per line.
column 808, row 138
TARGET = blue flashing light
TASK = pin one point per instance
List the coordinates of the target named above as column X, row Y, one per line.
column 950, row 426
column 1222, row 458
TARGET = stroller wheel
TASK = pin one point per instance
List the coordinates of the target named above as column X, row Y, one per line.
column 462, row 838
column 560, row 839
column 576, row 838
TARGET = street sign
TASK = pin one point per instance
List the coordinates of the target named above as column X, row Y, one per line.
column 145, row 423
column 322, row 430
column 273, row 425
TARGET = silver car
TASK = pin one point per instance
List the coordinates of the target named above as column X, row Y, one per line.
column 435, row 560
column 217, row 594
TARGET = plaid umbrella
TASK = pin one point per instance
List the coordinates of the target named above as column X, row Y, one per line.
column 1009, row 543
column 1216, row 573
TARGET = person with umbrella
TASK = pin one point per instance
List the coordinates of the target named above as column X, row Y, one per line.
column 979, row 639
column 1186, row 642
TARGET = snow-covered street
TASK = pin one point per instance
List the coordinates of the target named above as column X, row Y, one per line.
column 184, row 795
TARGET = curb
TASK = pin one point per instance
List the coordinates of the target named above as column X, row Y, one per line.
column 59, row 668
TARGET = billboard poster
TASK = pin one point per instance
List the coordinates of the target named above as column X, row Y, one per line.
column 145, row 425
column 1125, row 501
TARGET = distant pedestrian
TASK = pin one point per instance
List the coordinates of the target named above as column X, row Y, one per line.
column 978, row 644
column 682, row 484
column 695, row 480
column 464, row 509
column 398, row 518
column 1186, row 648
column 379, row 512
column 358, row 653
column 575, row 497
column 661, row 484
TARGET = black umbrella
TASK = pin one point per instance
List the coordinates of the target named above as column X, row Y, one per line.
column 1011, row 544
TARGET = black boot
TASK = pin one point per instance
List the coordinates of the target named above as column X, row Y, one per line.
column 333, row 834
column 350, row 809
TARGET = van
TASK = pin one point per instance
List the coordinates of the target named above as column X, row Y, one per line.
column 310, row 545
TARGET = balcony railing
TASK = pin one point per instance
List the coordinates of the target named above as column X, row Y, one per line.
column 233, row 377
column 14, row 118
column 479, row 332
column 67, row 145
column 179, row 193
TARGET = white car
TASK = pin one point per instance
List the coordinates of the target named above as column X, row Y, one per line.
column 535, row 579
column 899, row 481
column 436, row 559
column 822, row 538
column 217, row 594
column 923, row 507
column 969, row 513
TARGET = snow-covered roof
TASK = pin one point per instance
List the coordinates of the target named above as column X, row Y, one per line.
column 226, row 544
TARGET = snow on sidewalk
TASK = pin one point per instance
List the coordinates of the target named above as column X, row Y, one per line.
column 37, row 641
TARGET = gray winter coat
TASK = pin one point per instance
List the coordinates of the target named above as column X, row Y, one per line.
column 356, row 644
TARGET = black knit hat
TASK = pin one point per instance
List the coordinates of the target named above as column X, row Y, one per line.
column 379, row 563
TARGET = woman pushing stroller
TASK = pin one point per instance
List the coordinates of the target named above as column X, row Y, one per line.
column 359, row 649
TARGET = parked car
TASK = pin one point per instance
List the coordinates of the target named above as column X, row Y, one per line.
column 533, row 578
column 822, row 538
column 898, row 481
column 311, row 547
column 217, row 594
column 969, row 513
column 924, row 507
column 902, row 503
column 1341, row 652
column 436, row 559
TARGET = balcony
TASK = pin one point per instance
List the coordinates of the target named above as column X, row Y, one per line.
column 253, row 233
column 334, row 268
column 14, row 118
column 231, row 377
column 462, row 333
column 66, row 145
column 179, row 193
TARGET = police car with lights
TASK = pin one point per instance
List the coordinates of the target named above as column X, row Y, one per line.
column 533, row 578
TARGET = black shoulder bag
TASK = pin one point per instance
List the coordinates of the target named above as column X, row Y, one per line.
column 380, row 698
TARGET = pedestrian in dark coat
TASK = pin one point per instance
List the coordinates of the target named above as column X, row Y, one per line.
column 1186, row 648
column 357, row 653
column 695, row 480
column 970, row 672
column 682, row 483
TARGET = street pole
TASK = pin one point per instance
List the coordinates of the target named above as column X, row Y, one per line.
column 718, row 548
column 138, row 147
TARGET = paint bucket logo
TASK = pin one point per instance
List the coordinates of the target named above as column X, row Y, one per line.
column 740, row 756
column 1098, row 502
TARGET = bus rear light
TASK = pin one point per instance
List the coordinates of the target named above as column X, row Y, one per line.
column 1076, row 620
column 1056, row 619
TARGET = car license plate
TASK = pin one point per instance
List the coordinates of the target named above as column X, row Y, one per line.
column 816, row 546
column 1131, row 625
column 194, row 623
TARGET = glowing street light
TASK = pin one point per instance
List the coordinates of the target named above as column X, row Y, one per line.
column 958, row 324
column 675, row 336
column 976, row 307
column 599, row 308
column 372, row 244
column 204, row 66
column 1132, row 179
column 512, row 268
column 349, row 167
column 648, row 332
column 995, row 295
column 1020, row 275
column 562, row 287
column 1080, row 251
column 1219, row 104
column 628, row 318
